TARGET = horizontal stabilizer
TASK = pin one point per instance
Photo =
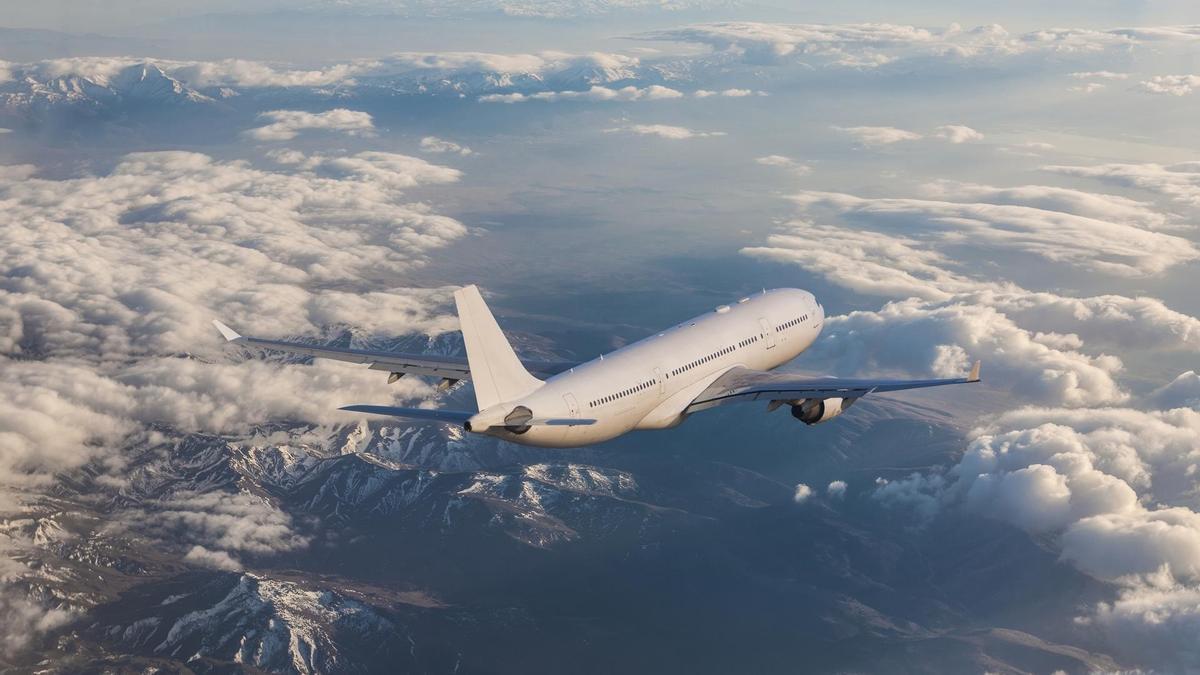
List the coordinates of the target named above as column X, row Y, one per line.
column 226, row 332
column 458, row 416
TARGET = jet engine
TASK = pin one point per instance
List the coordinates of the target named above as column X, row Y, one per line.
column 816, row 410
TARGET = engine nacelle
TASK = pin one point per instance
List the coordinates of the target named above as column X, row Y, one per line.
column 816, row 410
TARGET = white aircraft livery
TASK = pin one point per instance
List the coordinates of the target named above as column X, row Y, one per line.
column 721, row 357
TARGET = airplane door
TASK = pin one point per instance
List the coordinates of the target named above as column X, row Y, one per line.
column 572, row 404
column 661, row 383
column 768, row 333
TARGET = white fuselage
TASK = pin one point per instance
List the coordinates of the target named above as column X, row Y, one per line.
column 650, row 383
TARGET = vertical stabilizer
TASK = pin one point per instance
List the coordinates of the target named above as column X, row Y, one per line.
column 496, row 371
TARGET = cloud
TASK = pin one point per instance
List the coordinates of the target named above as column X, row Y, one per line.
column 287, row 124
column 1182, row 392
column 872, row 45
column 802, row 493
column 1175, row 85
column 1050, row 198
column 1088, row 88
column 836, row 489
column 22, row 621
column 879, row 135
column 727, row 93
column 917, row 494
column 665, row 131
column 956, row 133
column 434, row 144
column 109, row 282
column 214, row 527
column 942, row 339
column 1178, row 182
column 1099, row 75
column 1095, row 244
column 597, row 93
column 220, row 560
column 784, row 162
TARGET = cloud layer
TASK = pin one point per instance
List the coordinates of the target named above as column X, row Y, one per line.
column 287, row 124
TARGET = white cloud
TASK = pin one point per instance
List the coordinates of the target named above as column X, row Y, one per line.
column 781, row 161
column 1050, row 198
column 599, row 93
column 198, row 555
column 1096, row 244
column 867, row 45
column 439, row 145
column 727, row 93
column 1175, row 85
column 836, row 489
column 801, row 493
column 879, row 135
column 957, row 133
column 942, row 339
column 1088, row 88
column 665, row 131
column 214, row 527
column 1179, row 182
column 1099, row 75
column 287, row 124
column 109, row 280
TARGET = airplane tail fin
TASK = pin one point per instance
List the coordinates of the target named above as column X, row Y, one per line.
column 496, row 371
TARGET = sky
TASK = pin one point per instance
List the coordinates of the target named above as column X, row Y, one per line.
column 954, row 181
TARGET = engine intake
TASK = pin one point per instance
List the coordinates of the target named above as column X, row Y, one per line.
column 817, row 410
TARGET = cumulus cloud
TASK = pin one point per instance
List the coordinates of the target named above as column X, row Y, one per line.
column 942, row 339
column 1114, row 487
column 287, row 124
column 802, row 493
column 665, row 131
column 957, row 133
column 597, row 93
column 1175, row 85
column 109, row 282
column 879, row 135
column 1179, row 182
column 836, row 489
column 437, row 145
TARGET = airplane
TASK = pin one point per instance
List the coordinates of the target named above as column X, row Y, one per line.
column 721, row 357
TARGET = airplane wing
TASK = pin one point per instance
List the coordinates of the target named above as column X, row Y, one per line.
column 446, row 367
column 743, row 384
column 460, row 416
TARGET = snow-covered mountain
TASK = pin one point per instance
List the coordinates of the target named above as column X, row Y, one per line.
column 143, row 84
